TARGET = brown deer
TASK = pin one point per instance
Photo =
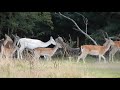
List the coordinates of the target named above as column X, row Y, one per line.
column 7, row 48
column 96, row 50
column 46, row 52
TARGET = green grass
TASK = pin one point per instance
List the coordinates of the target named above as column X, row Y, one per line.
column 58, row 68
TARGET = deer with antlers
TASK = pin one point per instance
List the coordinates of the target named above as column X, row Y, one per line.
column 96, row 50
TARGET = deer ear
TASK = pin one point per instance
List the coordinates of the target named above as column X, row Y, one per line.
column 109, row 38
column 5, row 35
column 51, row 37
column 106, row 39
column 3, row 39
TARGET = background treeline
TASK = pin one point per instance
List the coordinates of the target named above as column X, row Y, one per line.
column 41, row 25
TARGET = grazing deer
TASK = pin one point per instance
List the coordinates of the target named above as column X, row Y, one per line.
column 96, row 50
column 46, row 52
column 114, row 49
column 32, row 44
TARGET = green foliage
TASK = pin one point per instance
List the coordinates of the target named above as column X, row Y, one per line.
column 44, row 24
column 23, row 22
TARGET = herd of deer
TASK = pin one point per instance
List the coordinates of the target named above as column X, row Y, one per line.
column 9, row 48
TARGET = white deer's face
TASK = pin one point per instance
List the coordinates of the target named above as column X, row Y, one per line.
column 52, row 41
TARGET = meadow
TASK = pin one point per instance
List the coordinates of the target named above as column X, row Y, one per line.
column 59, row 68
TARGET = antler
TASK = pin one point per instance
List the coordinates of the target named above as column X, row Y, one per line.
column 107, row 35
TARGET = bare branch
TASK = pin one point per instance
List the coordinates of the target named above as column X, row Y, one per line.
column 84, row 19
column 79, row 29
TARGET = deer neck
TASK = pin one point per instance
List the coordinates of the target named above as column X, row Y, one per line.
column 14, row 44
column 107, row 46
column 5, row 42
column 55, row 49
column 45, row 44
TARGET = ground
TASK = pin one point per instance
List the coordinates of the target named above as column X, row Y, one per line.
column 59, row 68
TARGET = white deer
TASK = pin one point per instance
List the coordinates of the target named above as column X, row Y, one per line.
column 46, row 52
column 96, row 50
column 32, row 44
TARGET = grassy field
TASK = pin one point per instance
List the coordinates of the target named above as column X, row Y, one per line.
column 58, row 69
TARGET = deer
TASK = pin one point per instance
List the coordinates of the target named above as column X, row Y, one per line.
column 16, row 39
column 46, row 52
column 114, row 49
column 67, row 49
column 95, row 50
column 32, row 44
column 7, row 47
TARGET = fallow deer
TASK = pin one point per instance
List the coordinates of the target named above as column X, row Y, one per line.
column 96, row 50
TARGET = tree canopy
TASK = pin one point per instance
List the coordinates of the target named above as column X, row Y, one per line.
column 42, row 25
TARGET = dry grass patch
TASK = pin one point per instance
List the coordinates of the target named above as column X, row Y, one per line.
column 57, row 69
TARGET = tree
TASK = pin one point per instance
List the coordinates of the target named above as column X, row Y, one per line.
column 86, row 21
column 23, row 23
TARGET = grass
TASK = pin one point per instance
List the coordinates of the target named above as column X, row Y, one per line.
column 58, row 68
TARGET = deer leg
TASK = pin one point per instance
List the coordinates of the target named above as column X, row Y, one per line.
column 99, row 58
column 104, row 59
column 13, row 52
column 70, row 58
column 2, row 51
column 36, row 55
column 50, row 58
column 112, row 53
column 110, row 56
column 79, row 57
column 82, row 56
column 46, row 57
column 20, row 52
column 84, row 59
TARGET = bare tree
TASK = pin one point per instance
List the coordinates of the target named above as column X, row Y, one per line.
column 79, row 29
column 84, row 19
